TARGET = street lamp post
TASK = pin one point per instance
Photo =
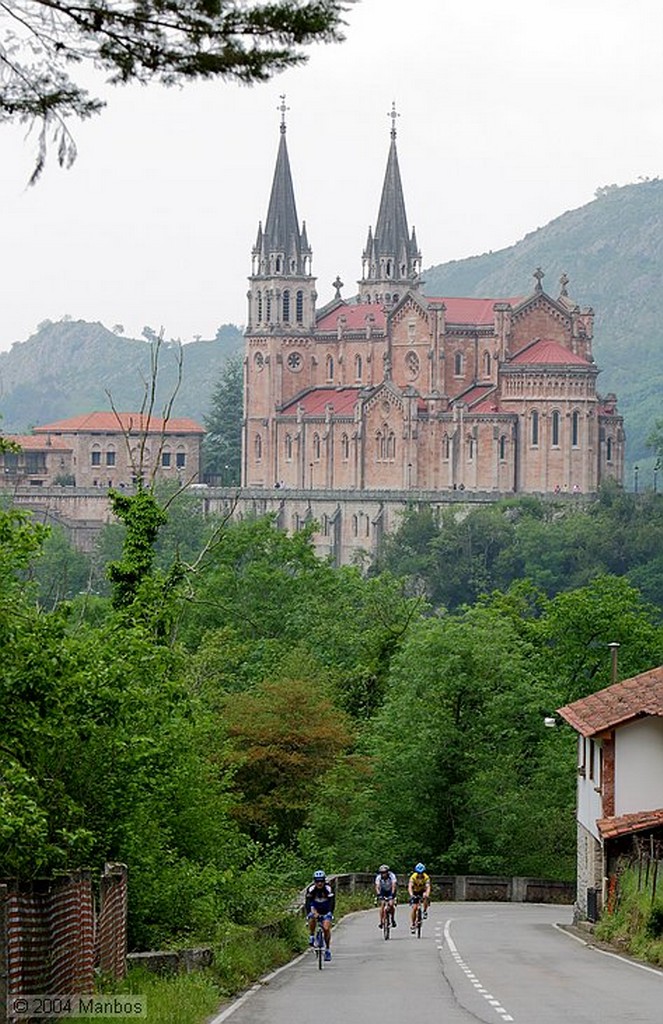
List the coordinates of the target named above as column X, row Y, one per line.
column 636, row 470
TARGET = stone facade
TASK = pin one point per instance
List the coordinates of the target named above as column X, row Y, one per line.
column 41, row 461
column 110, row 450
column 394, row 390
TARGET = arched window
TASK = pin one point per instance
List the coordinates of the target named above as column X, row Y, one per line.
column 316, row 447
column 486, row 364
column 357, row 367
column 388, row 268
column 259, row 304
column 555, row 429
column 268, row 308
column 324, row 525
column 286, row 306
column 379, row 445
column 458, row 364
column 345, row 447
column 535, row 428
column 575, row 429
column 279, row 264
column 288, row 447
column 95, row 455
column 368, row 526
column 257, row 447
column 445, row 446
column 299, row 312
column 355, row 526
column 330, row 368
column 472, row 447
column 608, row 450
column 502, row 448
column 391, row 445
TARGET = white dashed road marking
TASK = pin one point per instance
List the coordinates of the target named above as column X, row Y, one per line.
column 471, row 976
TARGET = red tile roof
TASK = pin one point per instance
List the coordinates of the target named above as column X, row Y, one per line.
column 550, row 353
column 110, row 422
column 625, row 824
column 475, row 394
column 31, row 443
column 622, row 702
column 471, row 311
column 355, row 317
column 342, row 400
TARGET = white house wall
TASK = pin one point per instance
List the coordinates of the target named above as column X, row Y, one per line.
column 590, row 803
column 639, row 766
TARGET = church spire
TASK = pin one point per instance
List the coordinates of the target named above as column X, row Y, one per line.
column 391, row 260
column 282, row 288
column 281, row 247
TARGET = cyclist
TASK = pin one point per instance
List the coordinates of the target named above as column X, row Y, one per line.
column 386, row 885
column 319, row 903
column 418, row 887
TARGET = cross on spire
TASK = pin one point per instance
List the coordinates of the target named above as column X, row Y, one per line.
column 393, row 115
column 282, row 107
column 539, row 275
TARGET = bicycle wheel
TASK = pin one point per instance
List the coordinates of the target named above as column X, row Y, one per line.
column 386, row 927
column 319, row 947
column 419, row 919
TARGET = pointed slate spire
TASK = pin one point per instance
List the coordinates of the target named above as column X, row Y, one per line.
column 391, row 259
column 281, row 247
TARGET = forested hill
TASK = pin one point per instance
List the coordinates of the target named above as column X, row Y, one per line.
column 68, row 367
column 612, row 251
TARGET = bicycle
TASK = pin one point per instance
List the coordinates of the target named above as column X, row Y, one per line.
column 319, row 947
column 387, row 915
column 419, row 914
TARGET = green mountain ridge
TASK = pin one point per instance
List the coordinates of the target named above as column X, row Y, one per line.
column 611, row 249
column 73, row 367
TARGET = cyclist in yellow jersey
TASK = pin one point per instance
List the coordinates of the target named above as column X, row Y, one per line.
column 418, row 887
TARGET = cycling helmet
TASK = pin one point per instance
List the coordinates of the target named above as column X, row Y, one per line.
column 383, row 868
column 319, row 876
column 420, row 868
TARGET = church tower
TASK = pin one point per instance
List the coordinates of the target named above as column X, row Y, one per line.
column 391, row 261
column 282, row 290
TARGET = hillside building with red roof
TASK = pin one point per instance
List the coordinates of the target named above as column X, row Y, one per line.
column 109, row 449
column 393, row 390
column 620, row 777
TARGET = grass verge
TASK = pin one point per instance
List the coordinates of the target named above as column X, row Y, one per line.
column 636, row 923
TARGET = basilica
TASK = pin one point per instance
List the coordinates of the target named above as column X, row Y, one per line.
column 394, row 390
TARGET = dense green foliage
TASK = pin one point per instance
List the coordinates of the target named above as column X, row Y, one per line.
column 232, row 711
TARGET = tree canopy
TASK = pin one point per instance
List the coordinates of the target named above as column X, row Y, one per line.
column 168, row 41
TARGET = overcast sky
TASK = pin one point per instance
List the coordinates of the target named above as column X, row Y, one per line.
column 511, row 113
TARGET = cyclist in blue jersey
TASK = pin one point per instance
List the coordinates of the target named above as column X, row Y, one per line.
column 319, row 904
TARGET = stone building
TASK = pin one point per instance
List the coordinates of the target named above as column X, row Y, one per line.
column 106, row 448
column 395, row 390
column 40, row 461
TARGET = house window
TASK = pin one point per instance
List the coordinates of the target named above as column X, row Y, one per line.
column 180, row 460
column 555, row 429
column 110, row 458
column 299, row 312
column 165, row 459
column 575, row 429
column 535, row 428
column 95, row 457
column 458, row 364
column 592, row 759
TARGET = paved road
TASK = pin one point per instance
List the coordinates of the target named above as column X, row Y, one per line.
column 482, row 962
